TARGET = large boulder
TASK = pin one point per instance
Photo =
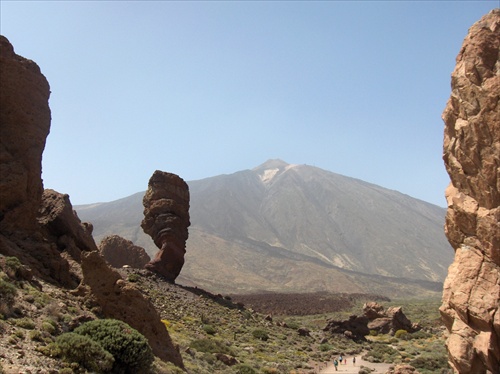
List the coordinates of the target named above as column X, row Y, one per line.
column 470, row 307
column 119, row 252
column 166, row 220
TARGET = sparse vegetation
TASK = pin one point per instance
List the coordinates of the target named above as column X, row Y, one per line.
column 194, row 320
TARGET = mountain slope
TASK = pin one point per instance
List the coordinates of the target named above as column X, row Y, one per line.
column 295, row 228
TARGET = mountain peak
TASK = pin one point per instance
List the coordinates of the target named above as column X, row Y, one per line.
column 271, row 168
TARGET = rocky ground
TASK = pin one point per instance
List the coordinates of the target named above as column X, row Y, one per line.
column 214, row 333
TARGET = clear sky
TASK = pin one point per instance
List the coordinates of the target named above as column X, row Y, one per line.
column 206, row 88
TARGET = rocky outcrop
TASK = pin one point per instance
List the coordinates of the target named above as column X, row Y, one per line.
column 121, row 300
column 375, row 318
column 471, row 294
column 40, row 227
column 166, row 220
column 24, row 126
column 119, row 252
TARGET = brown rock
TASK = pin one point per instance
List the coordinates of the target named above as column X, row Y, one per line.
column 24, row 126
column 119, row 299
column 374, row 318
column 119, row 252
column 166, row 220
column 471, row 148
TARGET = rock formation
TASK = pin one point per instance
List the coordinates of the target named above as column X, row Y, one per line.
column 40, row 227
column 121, row 300
column 374, row 317
column 24, row 126
column 118, row 252
column 471, row 294
column 166, row 220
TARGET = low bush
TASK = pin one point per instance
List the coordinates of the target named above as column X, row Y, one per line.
column 260, row 334
column 210, row 346
column 381, row 353
column 83, row 350
column 129, row 348
column 244, row 369
column 401, row 334
column 209, row 329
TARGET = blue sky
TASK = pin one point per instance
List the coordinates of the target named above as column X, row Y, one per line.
column 207, row 88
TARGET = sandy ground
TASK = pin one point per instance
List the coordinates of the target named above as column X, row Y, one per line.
column 350, row 368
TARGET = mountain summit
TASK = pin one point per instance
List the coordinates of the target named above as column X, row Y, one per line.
column 286, row 227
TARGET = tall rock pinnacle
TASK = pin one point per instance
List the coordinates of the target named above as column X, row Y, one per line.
column 471, row 295
column 166, row 220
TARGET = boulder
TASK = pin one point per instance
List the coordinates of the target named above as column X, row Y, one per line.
column 374, row 317
column 471, row 153
column 119, row 252
column 166, row 220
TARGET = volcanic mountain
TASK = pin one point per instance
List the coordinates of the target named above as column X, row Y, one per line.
column 297, row 228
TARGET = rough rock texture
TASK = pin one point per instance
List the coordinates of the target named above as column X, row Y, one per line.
column 166, row 220
column 471, row 294
column 374, row 318
column 24, row 126
column 118, row 252
column 40, row 227
column 120, row 300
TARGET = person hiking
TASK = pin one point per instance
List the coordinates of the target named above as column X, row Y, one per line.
column 354, row 361
column 340, row 359
column 335, row 363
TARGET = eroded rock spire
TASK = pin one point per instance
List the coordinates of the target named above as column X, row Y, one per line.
column 166, row 220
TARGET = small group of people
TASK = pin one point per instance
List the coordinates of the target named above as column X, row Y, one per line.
column 342, row 360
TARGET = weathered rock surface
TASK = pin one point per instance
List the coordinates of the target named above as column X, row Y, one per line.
column 471, row 294
column 121, row 300
column 118, row 252
column 40, row 227
column 166, row 220
column 24, row 126
column 374, row 318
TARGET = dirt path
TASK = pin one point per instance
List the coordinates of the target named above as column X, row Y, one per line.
column 349, row 368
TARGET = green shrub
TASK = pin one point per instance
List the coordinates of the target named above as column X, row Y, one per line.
column 133, row 278
column 25, row 323
column 381, row 353
column 325, row 347
column 129, row 348
column 36, row 335
column 244, row 369
column 373, row 332
column 431, row 362
column 260, row 334
column 210, row 346
column 209, row 329
column 12, row 266
column 7, row 290
column 49, row 326
column 84, row 351
column 401, row 334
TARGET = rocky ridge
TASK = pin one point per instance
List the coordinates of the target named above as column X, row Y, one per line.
column 471, row 148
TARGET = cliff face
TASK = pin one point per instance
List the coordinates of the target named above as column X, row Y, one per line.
column 24, row 126
column 471, row 295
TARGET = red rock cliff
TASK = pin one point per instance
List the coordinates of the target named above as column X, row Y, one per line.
column 471, row 295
